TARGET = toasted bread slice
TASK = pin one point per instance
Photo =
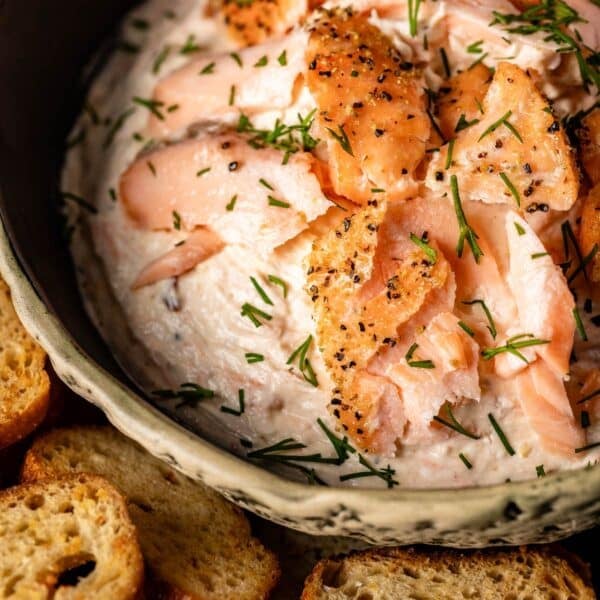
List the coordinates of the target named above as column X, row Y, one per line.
column 399, row 574
column 24, row 384
column 68, row 538
column 196, row 544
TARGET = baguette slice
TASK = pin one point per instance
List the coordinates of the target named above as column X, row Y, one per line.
column 396, row 573
column 24, row 384
column 57, row 530
column 196, row 544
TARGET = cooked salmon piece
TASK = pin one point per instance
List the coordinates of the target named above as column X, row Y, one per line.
column 362, row 294
column 201, row 244
column 589, row 137
column 543, row 398
column 371, row 107
column 246, row 195
column 217, row 87
column 516, row 154
column 454, row 377
column 589, row 231
column 461, row 98
column 547, row 315
column 251, row 22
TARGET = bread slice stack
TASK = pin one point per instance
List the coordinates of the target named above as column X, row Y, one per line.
column 401, row 574
column 24, row 384
column 68, row 538
column 195, row 543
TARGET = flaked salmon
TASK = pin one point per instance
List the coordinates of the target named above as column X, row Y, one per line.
column 516, row 152
column 371, row 106
column 252, row 22
column 217, row 87
column 589, row 232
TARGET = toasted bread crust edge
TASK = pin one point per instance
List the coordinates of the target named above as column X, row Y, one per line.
column 419, row 556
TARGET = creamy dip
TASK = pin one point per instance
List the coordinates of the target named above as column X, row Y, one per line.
column 191, row 330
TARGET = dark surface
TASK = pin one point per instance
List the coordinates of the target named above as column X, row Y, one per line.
column 44, row 46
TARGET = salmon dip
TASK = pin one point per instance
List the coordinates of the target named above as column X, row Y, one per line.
column 356, row 243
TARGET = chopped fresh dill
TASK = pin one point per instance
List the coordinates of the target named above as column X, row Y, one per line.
column 239, row 411
column 453, row 423
column 161, row 57
column 466, row 232
column 342, row 139
column 449, row 154
column 342, row 447
column 513, row 345
column 585, row 419
column 209, row 69
column 445, row 62
column 153, row 106
column 231, row 95
column 503, row 120
column 539, row 471
column 492, row 326
column 262, row 61
column 464, row 124
column 231, row 204
column 475, row 47
column 282, row 58
column 417, row 364
column 266, row 184
column 519, row 228
column 466, row 328
column 238, row 59
column 280, row 282
column 421, row 242
column 254, row 314
column 261, row 291
column 465, row 461
column 253, row 357
column 303, row 363
column 202, row 171
column 276, row 202
column 116, row 126
column 190, row 46
column 176, row 220
column 189, row 394
column 509, row 449
column 587, row 447
column 386, row 474
column 589, row 396
column 511, row 188
column 413, row 16
column 79, row 201
column 537, row 255
column 579, row 324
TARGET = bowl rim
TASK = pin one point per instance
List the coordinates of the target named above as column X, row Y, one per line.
column 218, row 468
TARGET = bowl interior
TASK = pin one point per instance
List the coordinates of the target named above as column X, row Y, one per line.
column 44, row 49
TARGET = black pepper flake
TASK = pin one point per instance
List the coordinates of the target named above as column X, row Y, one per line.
column 385, row 95
column 336, row 401
column 357, row 105
column 379, row 132
column 233, row 165
column 528, row 191
column 347, row 223
column 498, row 144
column 312, row 65
column 361, row 326
column 554, row 127
column 225, row 145
column 324, row 73
column 409, row 117
column 527, row 168
column 587, row 305
column 406, row 66
column 404, row 171
column 336, row 413
column 595, row 321
column 359, row 431
column 439, row 176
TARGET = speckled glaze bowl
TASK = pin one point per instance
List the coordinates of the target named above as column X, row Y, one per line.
column 43, row 48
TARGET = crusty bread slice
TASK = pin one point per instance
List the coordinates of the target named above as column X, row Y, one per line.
column 196, row 544
column 68, row 538
column 24, row 384
column 407, row 574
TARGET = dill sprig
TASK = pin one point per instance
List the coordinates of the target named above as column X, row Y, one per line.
column 579, row 325
column 589, row 396
column 342, row 139
column 287, row 138
column 153, row 106
column 454, row 424
column 513, row 345
column 261, row 291
column 386, row 474
column 342, row 447
column 503, row 120
column 280, row 282
column 509, row 449
column 189, row 394
column 492, row 326
column 417, row 364
column 466, row 232
column 303, row 363
column 552, row 17
column 413, row 16
column 511, row 187
column 254, row 314
column 241, row 406
column 277, row 453
column 465, row 461
column 422, row 243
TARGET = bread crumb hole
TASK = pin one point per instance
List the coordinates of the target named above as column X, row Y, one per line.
column 365, row 595
column 410, row 572
column 333, row 575
column 71, row 576
column 34, row 502
column 496, row 576
column 11, row 584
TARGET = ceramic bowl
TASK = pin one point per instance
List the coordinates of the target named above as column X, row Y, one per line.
column 43, row 48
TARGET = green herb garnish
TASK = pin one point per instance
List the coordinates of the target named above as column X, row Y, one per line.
column 466, row 232
column 237, row 58
column 503, row 120
column 512, row 346
column 152, row 105
column 202, row 171
column 342, row 447
column 413, row 16
column 421, row 242
column 282, row 59
column 303, row 363
column 261, row 291
column 160, row 59
column 253, row 357
column 511, row 188
column 464, row 124
column 449, row 154
column 277, row 281
column 417, row 364
column 231, row 204
column 342, row 139
column 275, row 202
column 492, row 326
column 509, row 449
column 239, row 411
column 386, row 474
column 539, row 471
column 190, row 45
column 261, row 62
column 465, row 461
column 189, row 393
column 254, row 314
column 454, row 424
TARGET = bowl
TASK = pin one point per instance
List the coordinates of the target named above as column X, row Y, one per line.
column 44, row 48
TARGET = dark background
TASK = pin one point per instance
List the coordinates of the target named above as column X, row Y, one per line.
column 44, row 46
